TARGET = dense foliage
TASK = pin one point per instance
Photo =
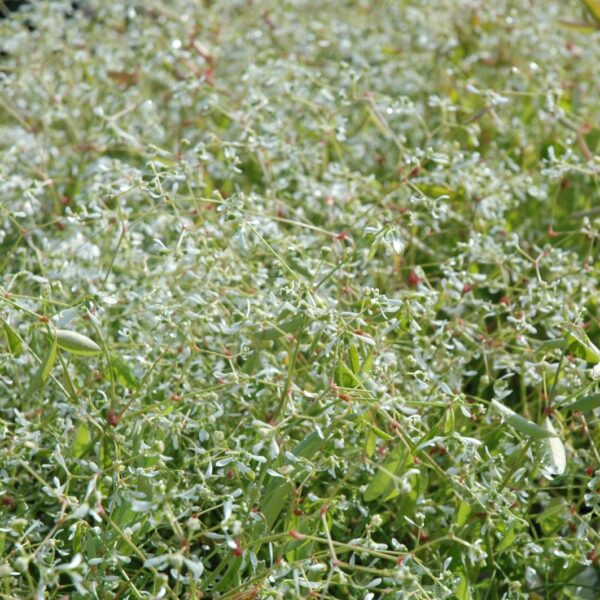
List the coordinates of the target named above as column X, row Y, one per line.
column 299, row 299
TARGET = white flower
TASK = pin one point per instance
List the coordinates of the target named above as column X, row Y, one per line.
column 596, row 372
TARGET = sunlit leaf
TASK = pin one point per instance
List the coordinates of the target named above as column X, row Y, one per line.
column 76, row 343
column 554, row 457
column 521, row 424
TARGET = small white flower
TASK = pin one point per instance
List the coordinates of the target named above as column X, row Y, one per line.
column 596, row 372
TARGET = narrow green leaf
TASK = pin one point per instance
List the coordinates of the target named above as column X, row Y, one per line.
column 13, row 340
column 586, row 403
column 124, row 515
column 290, row 326
column 76, row 343
column 554, row 456
column 67, row 380
column 553, row 517
column 367, row 365
column 354, row 359
column 252, row 363
column 382, row 434
column 553, row 344
column 580, row 344
column 464, row 510
column 382, row 482
column 81, row 441
column 43, row 372
column 123, row 373
column 449, row 422
column 274, row 499
column 231, row 578
column 370, row 441
column 373, row 249
column 507, row 541
column 344, row 377
column 593, row 7
column 309, row 446
column 299, row 549
column 521, row 424
column 580, row 26
column 463, row 591
column 299, row 267
column 277, row 492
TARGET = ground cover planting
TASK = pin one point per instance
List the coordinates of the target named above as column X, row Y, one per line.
column 300, row 299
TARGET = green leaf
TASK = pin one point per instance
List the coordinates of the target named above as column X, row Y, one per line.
column 67, row 381
column 554, row 516
column 506, row 542
column 290, row 326
column 580, row 26
column 277, row 492
column 76, row 343
column 354, row 359
column 124, row 374
column 449, row 422
column 124, row 515
column 299, row 267
column 463, row 590
column 231, row 577
column 309, row 446
column 552, row 344
column 554, row 456
column 382, row 434
column 43, row 372
column 297, row 550
column 593, row 7
column 344, row 377
column 464, row 510
column 82, row 440
column 367, row 365
column 373, row 250
column 382, row 482
column 252, row 363
column 586, row 403
column 274, row 499
column 370, row 441
column 580, row 344
column 13, row 340
column 521, row 424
